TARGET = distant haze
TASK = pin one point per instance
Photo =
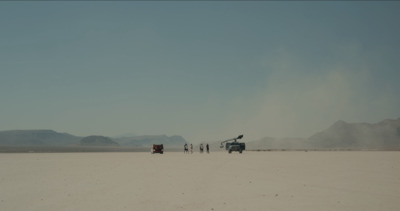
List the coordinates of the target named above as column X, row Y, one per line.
column 384, row 135
column 206, row 71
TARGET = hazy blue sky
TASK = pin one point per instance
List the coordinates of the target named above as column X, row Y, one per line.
column 204, row 70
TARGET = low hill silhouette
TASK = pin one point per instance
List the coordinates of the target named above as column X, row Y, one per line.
column 37, row 138
column 98, row 141
column 147, row 141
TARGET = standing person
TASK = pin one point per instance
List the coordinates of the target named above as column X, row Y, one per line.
column 208, row 148
column 201, row 148
column 191, row 148
column 186, row 149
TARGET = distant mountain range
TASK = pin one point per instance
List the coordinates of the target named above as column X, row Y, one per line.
column 53, row 138
column 97, row 141
column 147, row 141
column 383, row 135
column 37, row 138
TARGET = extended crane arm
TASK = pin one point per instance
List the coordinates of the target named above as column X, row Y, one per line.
column 232, row 139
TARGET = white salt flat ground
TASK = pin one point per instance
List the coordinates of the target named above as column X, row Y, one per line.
column 216, row 181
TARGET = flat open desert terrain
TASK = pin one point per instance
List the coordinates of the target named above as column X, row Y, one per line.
column 364, row 180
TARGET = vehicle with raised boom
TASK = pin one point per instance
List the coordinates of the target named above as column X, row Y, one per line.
column 233, row 145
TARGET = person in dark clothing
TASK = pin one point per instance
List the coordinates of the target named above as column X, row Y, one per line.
column 208, row 148
column 186, row 150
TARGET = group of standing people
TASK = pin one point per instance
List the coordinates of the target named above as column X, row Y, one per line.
column 202, row 148
column 186, row 148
